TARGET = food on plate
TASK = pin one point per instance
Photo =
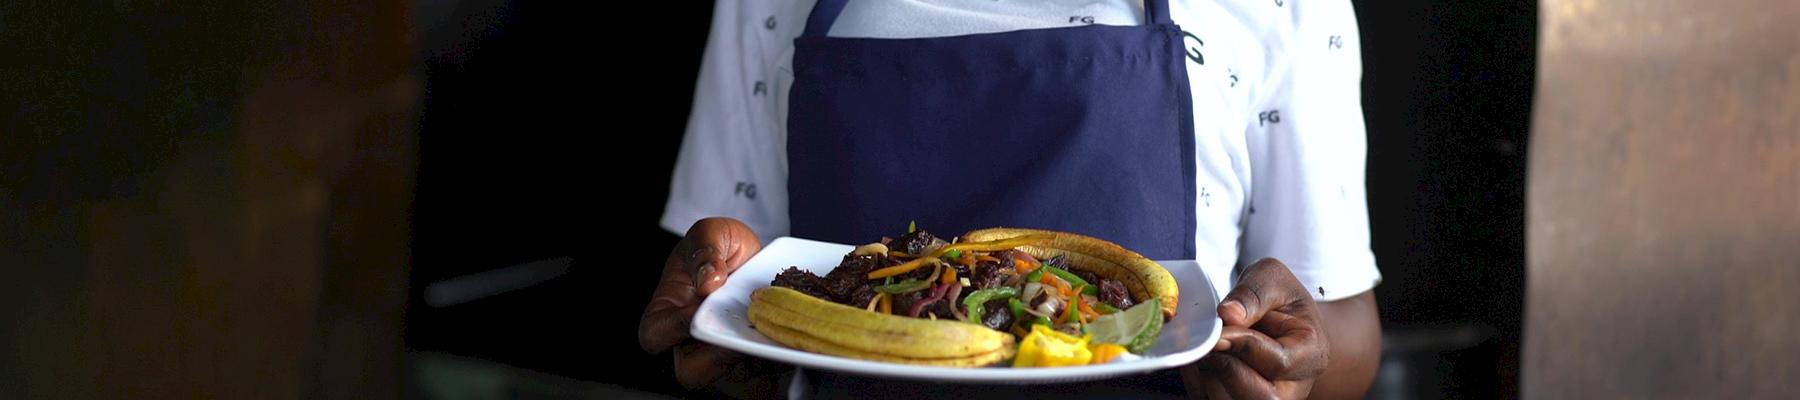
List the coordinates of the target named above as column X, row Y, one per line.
column 1038, row 298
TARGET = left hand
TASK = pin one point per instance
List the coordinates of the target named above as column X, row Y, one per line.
column 1274, row 343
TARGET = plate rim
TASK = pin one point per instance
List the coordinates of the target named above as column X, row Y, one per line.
column 853, row 366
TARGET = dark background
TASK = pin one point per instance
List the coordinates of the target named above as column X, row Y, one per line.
column 520, row 162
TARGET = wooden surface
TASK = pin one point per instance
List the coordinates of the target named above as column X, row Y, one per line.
column 230, row 217
column 1664, row 201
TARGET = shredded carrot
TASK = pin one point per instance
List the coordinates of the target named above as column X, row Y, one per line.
column 1064, row 316
column 995, row 245
column 1024, row 265
column 1087, row 311
column 1061, row 287
column 905, row 267
column 1080, row 307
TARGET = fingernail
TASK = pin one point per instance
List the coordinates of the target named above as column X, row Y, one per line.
column 694, row 256
column 1231, row 310
column 703, row 275
column 1223, row 345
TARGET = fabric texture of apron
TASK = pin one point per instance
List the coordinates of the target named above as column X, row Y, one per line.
column 1083, row 129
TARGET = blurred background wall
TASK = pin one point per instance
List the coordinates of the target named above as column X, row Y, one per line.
column 1665, row 202
column 205, row 199
column 214, row 198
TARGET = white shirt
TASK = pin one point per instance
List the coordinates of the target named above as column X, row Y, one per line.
column 1280, row 143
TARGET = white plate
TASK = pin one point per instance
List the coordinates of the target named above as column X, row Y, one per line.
column 724, row 320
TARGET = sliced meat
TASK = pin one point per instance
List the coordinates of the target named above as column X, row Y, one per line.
column 1087, row 276
column 1114, row 293
column 941, row 308
column 851, row 278
column 989, row 275
column 802, row 281
column 905, row 301
column 913, row 243
column 861, row 297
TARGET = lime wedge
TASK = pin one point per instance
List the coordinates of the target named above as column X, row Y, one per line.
column 1135, row 328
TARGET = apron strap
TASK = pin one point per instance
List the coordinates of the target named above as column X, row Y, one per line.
column 1157, row 12
column 825, row 13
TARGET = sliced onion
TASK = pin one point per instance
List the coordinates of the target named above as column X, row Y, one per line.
column 932, row 248
column 937, row 293
column 873, row 301
column 1012, row 279
column 1048, row 307
column 955, row 291
column 1032, row 290
column 938, row 269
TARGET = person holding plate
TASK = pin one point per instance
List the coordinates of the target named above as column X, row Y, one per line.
column 1222, row 131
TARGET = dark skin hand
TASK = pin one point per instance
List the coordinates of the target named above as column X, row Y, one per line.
column 712, row 249
column 1280, row 344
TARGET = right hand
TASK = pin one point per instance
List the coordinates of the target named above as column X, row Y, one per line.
column 711, row 251
column 1274, row 343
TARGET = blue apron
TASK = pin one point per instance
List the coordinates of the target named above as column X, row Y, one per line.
column 1083, row 129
